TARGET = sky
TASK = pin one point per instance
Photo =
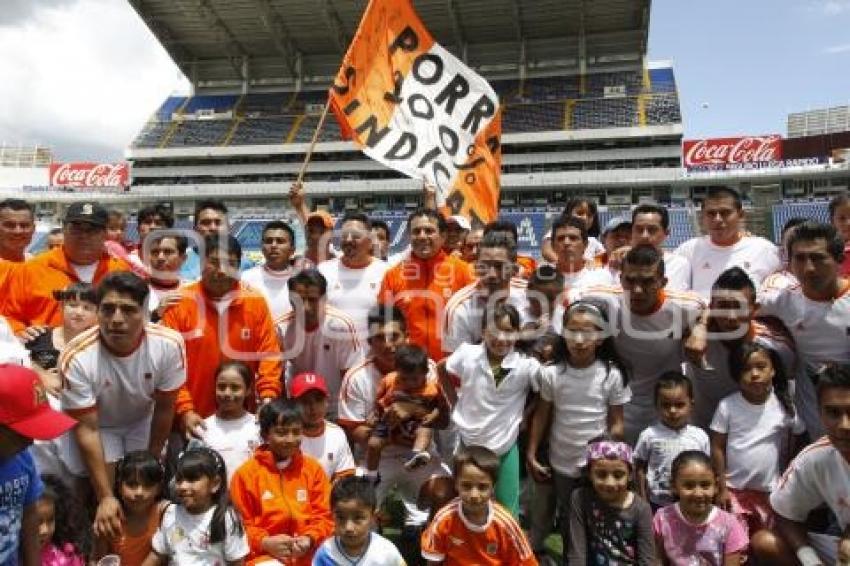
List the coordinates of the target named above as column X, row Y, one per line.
column 83, row 76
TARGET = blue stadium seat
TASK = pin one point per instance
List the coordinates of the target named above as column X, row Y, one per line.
column 782, row 212
column 218, row 103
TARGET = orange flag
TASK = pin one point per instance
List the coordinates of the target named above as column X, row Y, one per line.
column 413, row 106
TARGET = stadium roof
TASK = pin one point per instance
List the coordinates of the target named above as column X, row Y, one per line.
column 225, row 43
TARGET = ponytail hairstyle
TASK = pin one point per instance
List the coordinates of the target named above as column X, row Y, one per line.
column 738, row 361
column 605, row 353
column 201, row 461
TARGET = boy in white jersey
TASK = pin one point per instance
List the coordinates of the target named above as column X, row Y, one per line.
column 818, row 476
column 355, row 277
column 354, row 508
column 315, row 337
column 726, row 244
column 120, row 381
column 816, row 312
column 323, row 440
column 278, row 246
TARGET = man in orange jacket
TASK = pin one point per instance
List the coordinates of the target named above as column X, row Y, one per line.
column 29, row 299
column 422, row 284
column 222, row 320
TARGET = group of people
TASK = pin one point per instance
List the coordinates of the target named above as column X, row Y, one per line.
column 687, row 406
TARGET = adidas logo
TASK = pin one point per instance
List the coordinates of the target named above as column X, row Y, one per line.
column 267, row 495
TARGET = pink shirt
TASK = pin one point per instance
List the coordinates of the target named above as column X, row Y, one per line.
column 66, row 556
column 687, row 543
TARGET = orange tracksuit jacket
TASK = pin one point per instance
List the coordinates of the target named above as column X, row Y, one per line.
column 294, row 501
column 421, row 288
column 29, row 293
column 244, row 330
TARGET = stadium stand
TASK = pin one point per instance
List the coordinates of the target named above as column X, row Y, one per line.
column 783, row 211
column 542, row 104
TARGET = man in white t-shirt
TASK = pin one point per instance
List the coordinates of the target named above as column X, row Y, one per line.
column 120, row 380
column 816, row 311
column 495, row 268
column 322, row 439
column 163, row 255
column 818, row 476
column 650, row 328
column 357, row 397
column 355, row 277
column 732, row 321
column 783, row 278
column 651, row 225
column 569, row 242
column 726, row 244
column 315, row 337
column 278, row 246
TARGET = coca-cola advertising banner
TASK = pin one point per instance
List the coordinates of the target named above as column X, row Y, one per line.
column 89, row 175
column 733, row 153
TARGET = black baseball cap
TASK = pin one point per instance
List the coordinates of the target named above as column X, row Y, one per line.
column 88, row 212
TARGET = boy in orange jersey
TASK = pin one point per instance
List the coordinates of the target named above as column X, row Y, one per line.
column 474, row 529
column 282, row 495
column 409, row 405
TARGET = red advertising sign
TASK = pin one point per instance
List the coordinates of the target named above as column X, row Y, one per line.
column 89, row 175
column 732, row 153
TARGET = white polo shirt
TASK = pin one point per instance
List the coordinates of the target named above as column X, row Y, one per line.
column 272, row 285
column 330, row 350
column 486, row 414
column 647, row 345
column 465, row 310
column 755, row 255
column 818, row 475
column 121, row 388
column 354, row 291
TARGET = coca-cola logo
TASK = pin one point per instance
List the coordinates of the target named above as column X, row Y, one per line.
column 731, row 151
column 89, row 174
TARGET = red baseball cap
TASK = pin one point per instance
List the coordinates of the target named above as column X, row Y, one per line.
column 24, row 407
column 307, row 381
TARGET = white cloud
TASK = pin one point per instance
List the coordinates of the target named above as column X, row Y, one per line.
column 836, row 49
column 833, row 7
column 82, row 77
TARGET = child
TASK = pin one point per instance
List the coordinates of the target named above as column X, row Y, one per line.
column 586, row 392
column 282, row 495
column 232, row 431
column 139, row 487
column 354, row 506
column 63, row 528
column 323, row 440
column 493, row 381
column 203, row 527
column 24, row 415
column 406, row 392
column 659, row 444
column 488, row 533
column 751, row 435
column 609, row 524
column 693, row 530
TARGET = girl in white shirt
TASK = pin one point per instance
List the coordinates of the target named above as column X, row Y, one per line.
column 754, row 433
column 203, row 528
column 232, row 431
column 583, row 396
